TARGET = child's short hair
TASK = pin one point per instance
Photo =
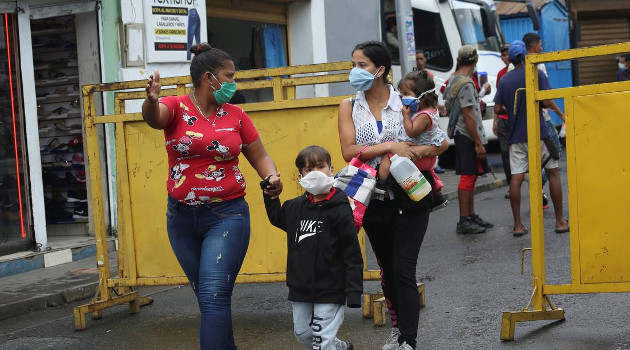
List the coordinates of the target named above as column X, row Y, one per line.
column 312, row 155
column 422, row 82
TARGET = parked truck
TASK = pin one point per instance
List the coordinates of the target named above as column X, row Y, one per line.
column 441, row 28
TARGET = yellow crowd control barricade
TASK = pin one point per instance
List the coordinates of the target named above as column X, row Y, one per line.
column 145, row 258
column 599, row 204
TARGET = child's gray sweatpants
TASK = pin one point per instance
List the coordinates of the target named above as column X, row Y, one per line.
column 316, row 325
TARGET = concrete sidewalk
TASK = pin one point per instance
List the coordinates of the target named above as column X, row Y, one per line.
column 57, row 285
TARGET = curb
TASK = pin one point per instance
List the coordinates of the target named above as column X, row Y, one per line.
column 41, row 260
column 39, row 303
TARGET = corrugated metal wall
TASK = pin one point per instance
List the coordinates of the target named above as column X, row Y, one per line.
column 514, row 28
column 601, row 69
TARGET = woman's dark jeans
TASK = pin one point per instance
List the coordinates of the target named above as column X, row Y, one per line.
column 210, row 242
column 396, row 236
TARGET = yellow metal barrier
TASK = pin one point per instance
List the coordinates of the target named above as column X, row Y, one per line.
column 598, row 199
column 145, row 258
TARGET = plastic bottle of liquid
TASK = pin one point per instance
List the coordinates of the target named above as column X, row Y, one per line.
column 409, row 177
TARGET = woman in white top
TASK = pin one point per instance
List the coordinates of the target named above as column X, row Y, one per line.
column 395, row 225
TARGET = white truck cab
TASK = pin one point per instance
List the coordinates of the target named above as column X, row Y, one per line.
column 441, row 28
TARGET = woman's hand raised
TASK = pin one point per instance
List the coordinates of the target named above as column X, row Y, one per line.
column 153, row 87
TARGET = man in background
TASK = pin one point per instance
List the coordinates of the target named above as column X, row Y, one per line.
column 511, row 94
column 501, row 125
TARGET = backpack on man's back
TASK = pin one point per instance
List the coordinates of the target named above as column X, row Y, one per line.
column 450, row 96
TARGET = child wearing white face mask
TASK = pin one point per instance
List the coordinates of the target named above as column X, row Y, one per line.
column 420, row 126
column 324, row 262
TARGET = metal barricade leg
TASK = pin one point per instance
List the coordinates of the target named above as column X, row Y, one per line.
column 375, row 306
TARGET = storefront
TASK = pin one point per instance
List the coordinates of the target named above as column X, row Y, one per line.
column 43, row 189
column 598, row 23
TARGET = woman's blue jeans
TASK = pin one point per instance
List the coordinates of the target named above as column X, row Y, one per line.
column 210, row 242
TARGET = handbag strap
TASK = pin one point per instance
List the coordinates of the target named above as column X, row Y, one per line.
column 361, row 151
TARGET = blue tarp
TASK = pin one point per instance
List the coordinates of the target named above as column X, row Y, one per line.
column 554, row 32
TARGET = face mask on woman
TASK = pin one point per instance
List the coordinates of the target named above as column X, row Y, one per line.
column 316, row 182
column 361, row 79
column 225, row 93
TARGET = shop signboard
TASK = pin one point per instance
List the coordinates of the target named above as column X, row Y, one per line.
column 172, row 26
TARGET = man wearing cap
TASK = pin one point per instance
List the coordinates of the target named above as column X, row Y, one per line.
column 501, row 126
column 470, row 138
column 511, row 94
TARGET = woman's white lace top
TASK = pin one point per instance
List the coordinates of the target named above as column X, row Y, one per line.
column 366, row 131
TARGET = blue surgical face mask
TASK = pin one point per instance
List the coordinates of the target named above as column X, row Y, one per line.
column 412, row 102
column 361, row 79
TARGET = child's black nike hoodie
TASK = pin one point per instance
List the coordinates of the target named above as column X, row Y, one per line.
column 324, row 262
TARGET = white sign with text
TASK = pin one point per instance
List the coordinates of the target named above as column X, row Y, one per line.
column 172, row 26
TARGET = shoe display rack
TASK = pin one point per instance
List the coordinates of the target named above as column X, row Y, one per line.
column 59, row 118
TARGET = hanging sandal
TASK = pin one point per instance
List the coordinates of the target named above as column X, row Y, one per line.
column 52, row 144
column 60, row 110
column 62, row 148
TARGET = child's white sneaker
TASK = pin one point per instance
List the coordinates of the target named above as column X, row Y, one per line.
column 392, row 341
column 405, row 346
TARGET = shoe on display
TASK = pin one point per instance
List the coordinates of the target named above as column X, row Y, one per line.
column 45, row 129
column 62, row 148
column 52, row 144
column 61, row 125
column 60, row 110
column 80, row 179
column 392, row 340
column 481, row 222
column 79, row 195
column 467, row 226
column 77, row 141
column 60, row 161
column 77, row 159
column 80, row 212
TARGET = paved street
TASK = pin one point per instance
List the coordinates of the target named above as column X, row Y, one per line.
column 470, row 281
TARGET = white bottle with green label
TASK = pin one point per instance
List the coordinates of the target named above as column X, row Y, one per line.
column 409, row 177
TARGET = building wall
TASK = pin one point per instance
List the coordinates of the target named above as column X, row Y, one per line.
column 359, row 21
column 132, row 12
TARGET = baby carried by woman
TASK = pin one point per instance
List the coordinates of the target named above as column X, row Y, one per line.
column 420, row 126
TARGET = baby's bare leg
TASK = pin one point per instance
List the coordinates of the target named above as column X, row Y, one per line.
column 383, row 169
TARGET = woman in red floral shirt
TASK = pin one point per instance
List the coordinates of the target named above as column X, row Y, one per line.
column 207, row 216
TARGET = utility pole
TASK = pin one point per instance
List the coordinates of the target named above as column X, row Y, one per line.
column 406, row 36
